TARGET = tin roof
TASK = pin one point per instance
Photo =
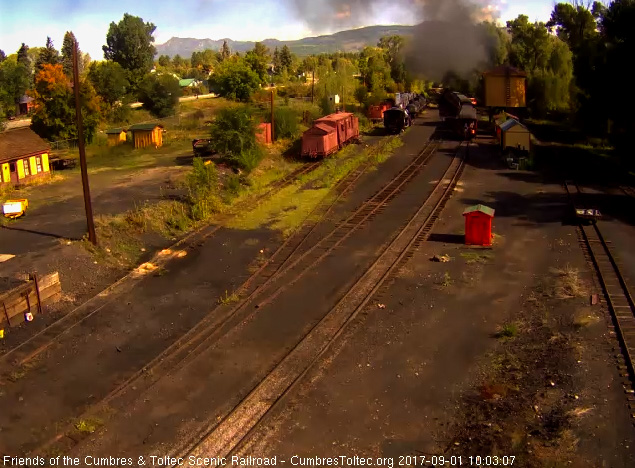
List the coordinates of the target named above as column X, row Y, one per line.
column 186, row 82
column 114, row 131
column 504, row 70
column 146, row 127
column 21, row 142
column 481, row 208
column 322, row 128
column 340, row 116
column 510, row 124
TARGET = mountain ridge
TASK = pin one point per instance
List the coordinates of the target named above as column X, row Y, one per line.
column 351, row 40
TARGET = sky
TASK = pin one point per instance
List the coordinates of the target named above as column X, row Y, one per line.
column 33, row 20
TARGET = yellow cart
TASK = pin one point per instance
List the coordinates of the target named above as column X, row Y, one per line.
column 15, row 208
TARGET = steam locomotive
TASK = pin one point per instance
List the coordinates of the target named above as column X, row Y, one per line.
column 459, row 114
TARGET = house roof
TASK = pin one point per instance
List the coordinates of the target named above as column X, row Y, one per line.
column 25, row 99
column 480, row 208
column 511, row 123
column 186, row 82
column 504, row 70
column 144, row 127
column 21, row 142
column 115, row 131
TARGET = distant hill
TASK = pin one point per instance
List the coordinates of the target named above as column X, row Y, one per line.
column 352, row 40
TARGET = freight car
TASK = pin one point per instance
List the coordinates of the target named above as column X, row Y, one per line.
column 329, row 134
column 459, row 114
column 396, row 120
column 376, row 113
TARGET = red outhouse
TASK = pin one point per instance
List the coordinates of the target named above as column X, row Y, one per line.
column 478, row 225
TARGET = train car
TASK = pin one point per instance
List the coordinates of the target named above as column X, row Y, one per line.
column 396, row 120
column 329, row 134
column 376, row 113
column 459, row 114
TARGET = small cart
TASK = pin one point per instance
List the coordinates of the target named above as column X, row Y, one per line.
column 15, row 208
column 588, row 214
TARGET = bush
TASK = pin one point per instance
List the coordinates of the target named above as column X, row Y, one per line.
column 286, row 122
column 248, row 160
column 160, row 94
column 326, row 106
column 202, row 181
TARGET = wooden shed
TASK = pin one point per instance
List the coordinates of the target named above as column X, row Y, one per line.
column 505, row 87
column 145, row 135
column 514, row 135
column 116, row 136
column 24, row 156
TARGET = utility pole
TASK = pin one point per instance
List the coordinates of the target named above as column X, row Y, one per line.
column 82, row 151
column 313, row 86
column 272, row 117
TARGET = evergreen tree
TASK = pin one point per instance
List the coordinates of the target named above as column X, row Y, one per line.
column 286, row 59
column 3, row 56
column 67, row 53
column 164, row 60
column 23, row 56
column 277, row 62
column 225, row 53
column 48, row 55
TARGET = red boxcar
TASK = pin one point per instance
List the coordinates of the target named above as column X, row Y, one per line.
column 329, row 134
column 377, row 112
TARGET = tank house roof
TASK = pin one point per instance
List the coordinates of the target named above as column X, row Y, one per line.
column 144, row 127
column 505, row 70
column 115, row 131
column 481, row 209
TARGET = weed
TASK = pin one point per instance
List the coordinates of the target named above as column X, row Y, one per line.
column 88, row 426
column 16, row 375
column 233, row 185
column 447, row 280
column 228, row 298
column 509, row 330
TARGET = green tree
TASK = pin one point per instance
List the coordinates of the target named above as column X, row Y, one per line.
column 129, row 43
column 3, row 56
column 54, row 117
column 48, row 55
column 178, row 62
column 393, row 47
column 109, row 80
column 67, row 53
column 164, row 60
column 14, row 81
column 277, row 62
column 23, row 56
column 233, row 79
column 286, row 59
column 160, row 94
column 496, row 43
column 225, row 53
column 258, row 60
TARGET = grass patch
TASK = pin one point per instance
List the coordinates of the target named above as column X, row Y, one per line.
column 290, row 207
column 446, row 281
column 16, row 375
column 567, row 283
column 477, row 257
column 228, row 298
column 88, row 426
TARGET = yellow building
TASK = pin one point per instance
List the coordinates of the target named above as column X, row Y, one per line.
column 116, row 136
column 514, row 136
column 24, row 156
column 147, row 135
column 505, row 87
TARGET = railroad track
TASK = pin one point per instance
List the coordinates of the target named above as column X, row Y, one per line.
column 291, row 261
column 615, row 290
column 224, row 437
column 295, row 257
column 43, row 340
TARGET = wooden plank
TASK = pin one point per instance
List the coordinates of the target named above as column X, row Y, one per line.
column 22, row 306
